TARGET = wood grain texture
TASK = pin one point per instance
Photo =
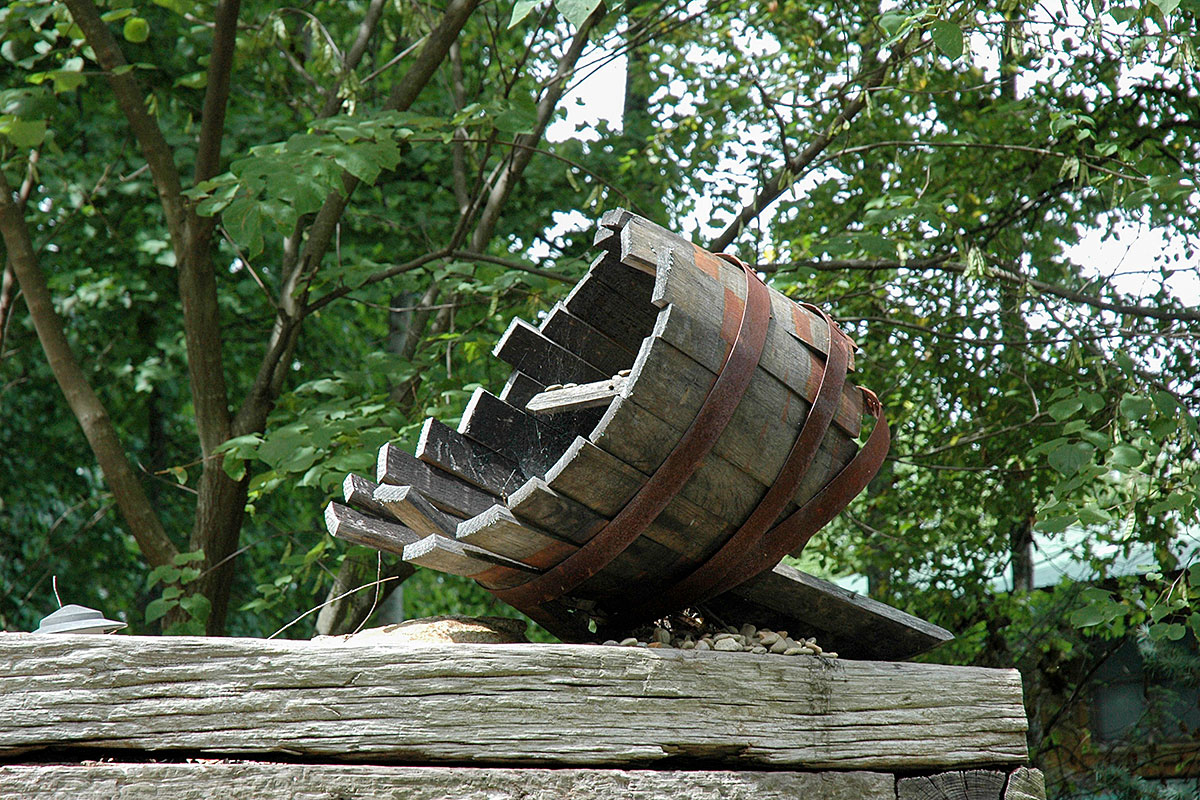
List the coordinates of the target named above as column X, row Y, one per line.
column 450, row 494
column 533, row 443
column 407, row 504
column 519, row 388
column 527, row 349
column 360, row 493
column 458, row 558
column 352, row 526
column 600, row 306
column 1026, row 784
column 204, row 781
column 568, row 330
column 785, row 598
column 574, row 705
column 573, row 398
column 447, row 449
column 975, row 784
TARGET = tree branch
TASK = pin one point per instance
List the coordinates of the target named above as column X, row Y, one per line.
column 366, row 27
column 133, row 105
column 870, row 75
column 90, row 412
column 944, row 264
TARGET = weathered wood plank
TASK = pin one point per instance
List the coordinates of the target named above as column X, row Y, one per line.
column 360, row 493
column 574, row 398
column 692, row 278
column 597, row 304
column 281, row 781
column 408, row 505
column 975, row 784
column 529, row 441
column 529, row 351
column 605, row 485
column 447, row 449
column 519, row 388
column 568, row 330
column 347, row 524
column 499, row 531
column 843, row 622
column 450, row 494
column 458, row 558
column 573, row 705
column 643, row 440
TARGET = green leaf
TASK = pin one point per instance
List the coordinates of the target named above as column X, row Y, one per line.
column 165, row 573
column 234, row 466
column 1065, row 408
column 1056, row 524
column 576, row 11
column 24, row 133
column 1068, row 458
column 1092, row 514
column 513, row 121
column 1124, row 455
column 136, row 30
column 1172, row 631
column 157, row 609
column 1134, row 407
column 188, row 558
column 521, row 10
column 948, row 37
column 1166, row 6
column 197, row 606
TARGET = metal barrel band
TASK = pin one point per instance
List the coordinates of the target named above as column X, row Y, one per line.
column 696, row 442
column 793, row 533
column 722, row 568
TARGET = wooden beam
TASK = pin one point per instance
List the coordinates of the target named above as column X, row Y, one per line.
column 281, row 781
column 546, row 705
column 347, row 524
column 408, row 505
column 450, row 494
column 447, row 449
column 973, row 784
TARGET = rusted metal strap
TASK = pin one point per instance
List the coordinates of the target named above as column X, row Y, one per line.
column 793, row 533
column 675, row 471
column 720, row 567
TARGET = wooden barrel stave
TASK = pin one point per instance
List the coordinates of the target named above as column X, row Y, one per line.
column 573, row 333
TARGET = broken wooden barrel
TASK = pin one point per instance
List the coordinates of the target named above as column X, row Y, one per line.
column 669, row 432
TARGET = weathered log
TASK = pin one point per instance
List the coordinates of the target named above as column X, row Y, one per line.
column 1025, row 784
column 566, row 705
column 408, row 505
column 349, row 525
column 975, row 784
column 447, row 449
column 450, row 494
column 280, row 781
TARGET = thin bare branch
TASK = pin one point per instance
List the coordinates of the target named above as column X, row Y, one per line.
column 90, row 412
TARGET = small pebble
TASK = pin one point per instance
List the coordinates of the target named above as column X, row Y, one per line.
column 703, row 644
column 816, row 648
column 779, row 646
column 554, row 387
column 625, row 373
column 661, row 635
column 759, row 650
column 630, row 642
column 611, row 643
column 768, row 638
column 641, row 644
column 748, row 630
column 831, row 654
column 729, row 645
column 656, row 645
column 720, row 637
column 794, row 651
column 569, row 385
column 688, row 644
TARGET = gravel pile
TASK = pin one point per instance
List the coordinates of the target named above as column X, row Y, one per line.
column 729, row 639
